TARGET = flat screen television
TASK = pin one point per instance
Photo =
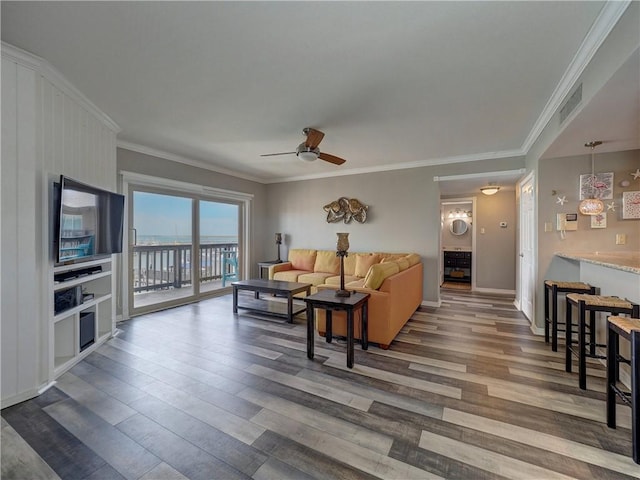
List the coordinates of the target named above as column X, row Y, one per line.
column 89, row 222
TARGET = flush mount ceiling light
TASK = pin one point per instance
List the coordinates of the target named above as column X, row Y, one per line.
column 490, row 189
column 306, row 153
column 592, row 205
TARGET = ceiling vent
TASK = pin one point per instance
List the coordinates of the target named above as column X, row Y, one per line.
column 571, row 104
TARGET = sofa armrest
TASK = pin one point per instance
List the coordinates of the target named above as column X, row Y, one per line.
column 279, row 267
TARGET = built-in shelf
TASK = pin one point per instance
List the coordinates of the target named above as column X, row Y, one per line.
column 66, row 325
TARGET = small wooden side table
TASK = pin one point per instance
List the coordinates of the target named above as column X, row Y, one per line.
column 262, row 266
column 327, row 300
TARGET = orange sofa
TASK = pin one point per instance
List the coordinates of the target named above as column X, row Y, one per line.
column 393, row 281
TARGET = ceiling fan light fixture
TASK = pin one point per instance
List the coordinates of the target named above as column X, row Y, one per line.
column 490, row 190
column 307, row 156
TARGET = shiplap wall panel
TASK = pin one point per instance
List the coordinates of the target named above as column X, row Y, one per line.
column 9, row 241
column 47, row 130
column 21, row 328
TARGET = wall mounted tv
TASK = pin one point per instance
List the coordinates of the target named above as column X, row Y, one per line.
column 88, row 222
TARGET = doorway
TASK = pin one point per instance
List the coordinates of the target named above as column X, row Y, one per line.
column 457, row 240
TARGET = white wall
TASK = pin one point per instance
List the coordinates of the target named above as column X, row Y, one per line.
column 48, row 129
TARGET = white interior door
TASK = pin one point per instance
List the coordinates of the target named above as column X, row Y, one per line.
column 527, row 252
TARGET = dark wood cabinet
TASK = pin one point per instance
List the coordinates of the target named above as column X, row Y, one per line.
column 457, row 266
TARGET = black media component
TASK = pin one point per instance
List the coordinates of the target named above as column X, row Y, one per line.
column 81, row 272
column 87, row 329
column 66, row 299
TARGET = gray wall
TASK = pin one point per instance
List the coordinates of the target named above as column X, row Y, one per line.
column 262, row 249
column 404, row 213
column 496, row 248
column 562, row 174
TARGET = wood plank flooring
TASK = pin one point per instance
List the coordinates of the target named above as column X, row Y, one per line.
column 466, row 391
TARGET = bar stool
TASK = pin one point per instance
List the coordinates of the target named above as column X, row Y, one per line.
column 591, row 304
column 629, row 329
column 554, row 287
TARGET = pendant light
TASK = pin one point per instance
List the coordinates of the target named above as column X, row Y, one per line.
column 592, row 205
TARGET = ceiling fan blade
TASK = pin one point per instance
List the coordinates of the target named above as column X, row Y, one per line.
column 314, row 137
column 274, row 154
column 331, row 158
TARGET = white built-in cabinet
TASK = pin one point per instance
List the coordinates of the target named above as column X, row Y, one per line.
column 67, row 347
column 49, row 128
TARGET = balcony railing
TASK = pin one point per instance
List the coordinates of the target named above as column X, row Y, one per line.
column 157, row 267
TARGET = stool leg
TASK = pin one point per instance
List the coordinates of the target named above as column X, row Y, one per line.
column 582, row 350
column 635, row 395
column 567, row 341
column 612, row 359
column 592, row 333
column 554, row 320
column 546, row 313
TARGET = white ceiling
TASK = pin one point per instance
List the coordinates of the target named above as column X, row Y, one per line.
column 391, row 84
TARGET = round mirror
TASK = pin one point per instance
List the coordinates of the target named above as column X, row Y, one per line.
column 458, row 227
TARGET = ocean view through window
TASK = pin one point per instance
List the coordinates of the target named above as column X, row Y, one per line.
column 167, row 265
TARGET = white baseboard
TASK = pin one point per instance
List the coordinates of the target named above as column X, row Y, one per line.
column 499, row 291
column 427, row 303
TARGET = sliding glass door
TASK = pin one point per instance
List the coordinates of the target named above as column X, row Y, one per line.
column 219, row 253
column 181, row 247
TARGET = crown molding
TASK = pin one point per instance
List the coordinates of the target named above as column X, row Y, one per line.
column 600, row 30
column 48, row 71
column 469, row 176
column 404, row 166
column 154, row 152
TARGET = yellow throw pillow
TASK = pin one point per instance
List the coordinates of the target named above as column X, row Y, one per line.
column 302, row 259
column 392, row 257
column 403, row 263
column 327, row 262
column 413, row 258
column 378, row 273
column 364, row 262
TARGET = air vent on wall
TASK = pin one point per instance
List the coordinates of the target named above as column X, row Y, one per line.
column 571, row 104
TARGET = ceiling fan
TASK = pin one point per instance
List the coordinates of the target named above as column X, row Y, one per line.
column 309, row 151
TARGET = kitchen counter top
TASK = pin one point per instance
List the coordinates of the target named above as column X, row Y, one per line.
column 625, row 261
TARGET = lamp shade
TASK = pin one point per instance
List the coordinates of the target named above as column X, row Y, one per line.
column 591, row 206
column 343, row 242
column 490, row 190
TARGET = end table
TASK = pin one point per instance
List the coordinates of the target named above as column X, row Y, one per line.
column 327, row 300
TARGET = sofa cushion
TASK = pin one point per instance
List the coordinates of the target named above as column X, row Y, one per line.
column 327, row 262
column 378, row 272
column 302, row 259
column 390, row 257
column 289, row 275
column 336, row 280
column 364, row 261
column 359, row 283
column 413, row 259
column 350, row 264
column 403, row 263
column 315, row 278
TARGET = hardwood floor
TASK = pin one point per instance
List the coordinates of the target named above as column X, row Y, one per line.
column 466, row 391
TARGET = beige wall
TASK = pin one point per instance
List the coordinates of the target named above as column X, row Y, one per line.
column 562, row 174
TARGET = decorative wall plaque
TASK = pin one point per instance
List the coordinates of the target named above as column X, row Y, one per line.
column 346, row 209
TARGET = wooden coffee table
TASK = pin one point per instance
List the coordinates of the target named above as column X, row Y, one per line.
column 274, row 287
